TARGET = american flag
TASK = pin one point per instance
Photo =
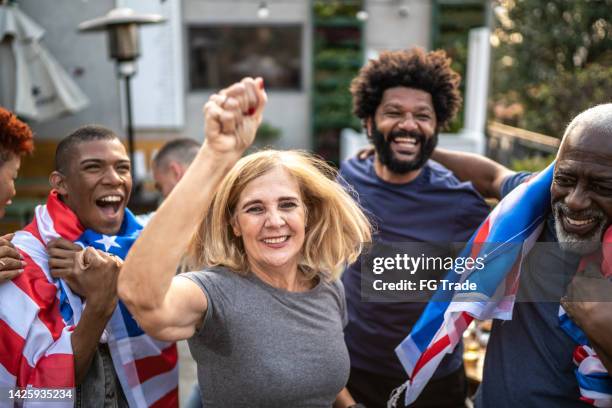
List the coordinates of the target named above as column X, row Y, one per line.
column 503, row 241
column 38, row 314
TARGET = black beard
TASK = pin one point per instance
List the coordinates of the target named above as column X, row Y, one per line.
column 385, row 154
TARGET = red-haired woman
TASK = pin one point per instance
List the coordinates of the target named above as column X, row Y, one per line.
column 15, row 141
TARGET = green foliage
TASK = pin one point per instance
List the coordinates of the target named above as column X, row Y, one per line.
column 454, row 20
column 560, row 100
column 337, row 58
column 532, row 164
column 552, row 59
column 267, row 134
column 332, row 9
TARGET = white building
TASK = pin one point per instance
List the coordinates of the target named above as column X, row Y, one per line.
column 204, row 45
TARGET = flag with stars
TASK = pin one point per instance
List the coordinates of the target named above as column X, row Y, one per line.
column 147, row 368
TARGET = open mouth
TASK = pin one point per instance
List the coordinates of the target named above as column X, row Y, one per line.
column 405, row 145
column 275, row 241
column 579, row 226
column 110, row 205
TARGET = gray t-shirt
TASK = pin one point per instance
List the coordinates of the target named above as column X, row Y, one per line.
column 261, row 346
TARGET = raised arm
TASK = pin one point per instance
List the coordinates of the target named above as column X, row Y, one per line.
column 486, row 175
column 166, row 308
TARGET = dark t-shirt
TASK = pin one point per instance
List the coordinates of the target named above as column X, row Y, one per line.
column 436, row 208
column 529, row 358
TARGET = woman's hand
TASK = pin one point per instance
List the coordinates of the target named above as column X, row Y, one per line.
column 11, row 261
column 233, row 115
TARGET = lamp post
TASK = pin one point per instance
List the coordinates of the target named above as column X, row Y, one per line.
column 122, row 27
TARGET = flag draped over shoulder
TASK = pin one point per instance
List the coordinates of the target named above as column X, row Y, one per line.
column 38, row 314
column 503, row 240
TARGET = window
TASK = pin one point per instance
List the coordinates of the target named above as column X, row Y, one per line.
column 220, row 55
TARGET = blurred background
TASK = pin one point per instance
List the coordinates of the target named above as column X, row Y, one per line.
column 528, row 66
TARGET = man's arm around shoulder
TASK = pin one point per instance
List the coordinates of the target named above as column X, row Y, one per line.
column 486, row 175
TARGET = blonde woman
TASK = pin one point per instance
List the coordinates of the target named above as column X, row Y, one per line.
column 265, row 314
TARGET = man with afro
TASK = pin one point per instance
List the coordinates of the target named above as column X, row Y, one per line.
column 404, row 98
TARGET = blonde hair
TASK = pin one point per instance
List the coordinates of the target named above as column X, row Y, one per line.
column 336, row 227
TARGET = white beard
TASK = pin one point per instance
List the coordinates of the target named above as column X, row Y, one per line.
column 574, row 243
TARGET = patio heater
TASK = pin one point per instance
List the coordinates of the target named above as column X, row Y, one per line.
column 122, row 28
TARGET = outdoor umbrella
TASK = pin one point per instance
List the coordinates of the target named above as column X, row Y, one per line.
column 32, row 83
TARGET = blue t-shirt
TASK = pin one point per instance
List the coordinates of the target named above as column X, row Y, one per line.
column 529, row 358
column 436, row 208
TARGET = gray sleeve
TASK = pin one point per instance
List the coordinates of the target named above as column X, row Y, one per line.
column 215, row 287
column 339, row 287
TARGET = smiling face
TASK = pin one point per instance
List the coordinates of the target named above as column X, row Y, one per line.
column 581, row 192
column 270, row 218
column 8, row 174
column 97, row 185
column 404, row 129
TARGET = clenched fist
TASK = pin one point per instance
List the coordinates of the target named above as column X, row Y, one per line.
column 89, row 272
column 233, row 115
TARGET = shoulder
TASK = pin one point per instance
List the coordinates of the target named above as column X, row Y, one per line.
column 440, row 177
column 438, row 174
column 470, row 208
column 216, row 278
column 355, row 167
column 35, row 281
column 335, row 289
column 512, row 181
column 352, row 164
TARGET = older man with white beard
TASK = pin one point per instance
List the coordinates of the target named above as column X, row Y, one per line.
column 529, row 358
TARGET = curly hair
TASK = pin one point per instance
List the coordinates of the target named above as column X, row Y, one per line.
column 15, row 136
column 414, row 68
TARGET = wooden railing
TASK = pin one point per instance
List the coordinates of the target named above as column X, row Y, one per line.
column 506, row 143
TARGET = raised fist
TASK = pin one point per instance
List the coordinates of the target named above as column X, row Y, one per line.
column 89, row 272
column 233, row 115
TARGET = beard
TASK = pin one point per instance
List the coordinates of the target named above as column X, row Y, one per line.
column 579, row 244
column 387, row 157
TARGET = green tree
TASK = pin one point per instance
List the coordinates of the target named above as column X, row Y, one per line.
column 551, row 60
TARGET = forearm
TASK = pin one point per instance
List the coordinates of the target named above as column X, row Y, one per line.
column 599, row 333
column 344, row 399
column 86, row 337
column 152, row 261
column 485, row 174
column 605, row 356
